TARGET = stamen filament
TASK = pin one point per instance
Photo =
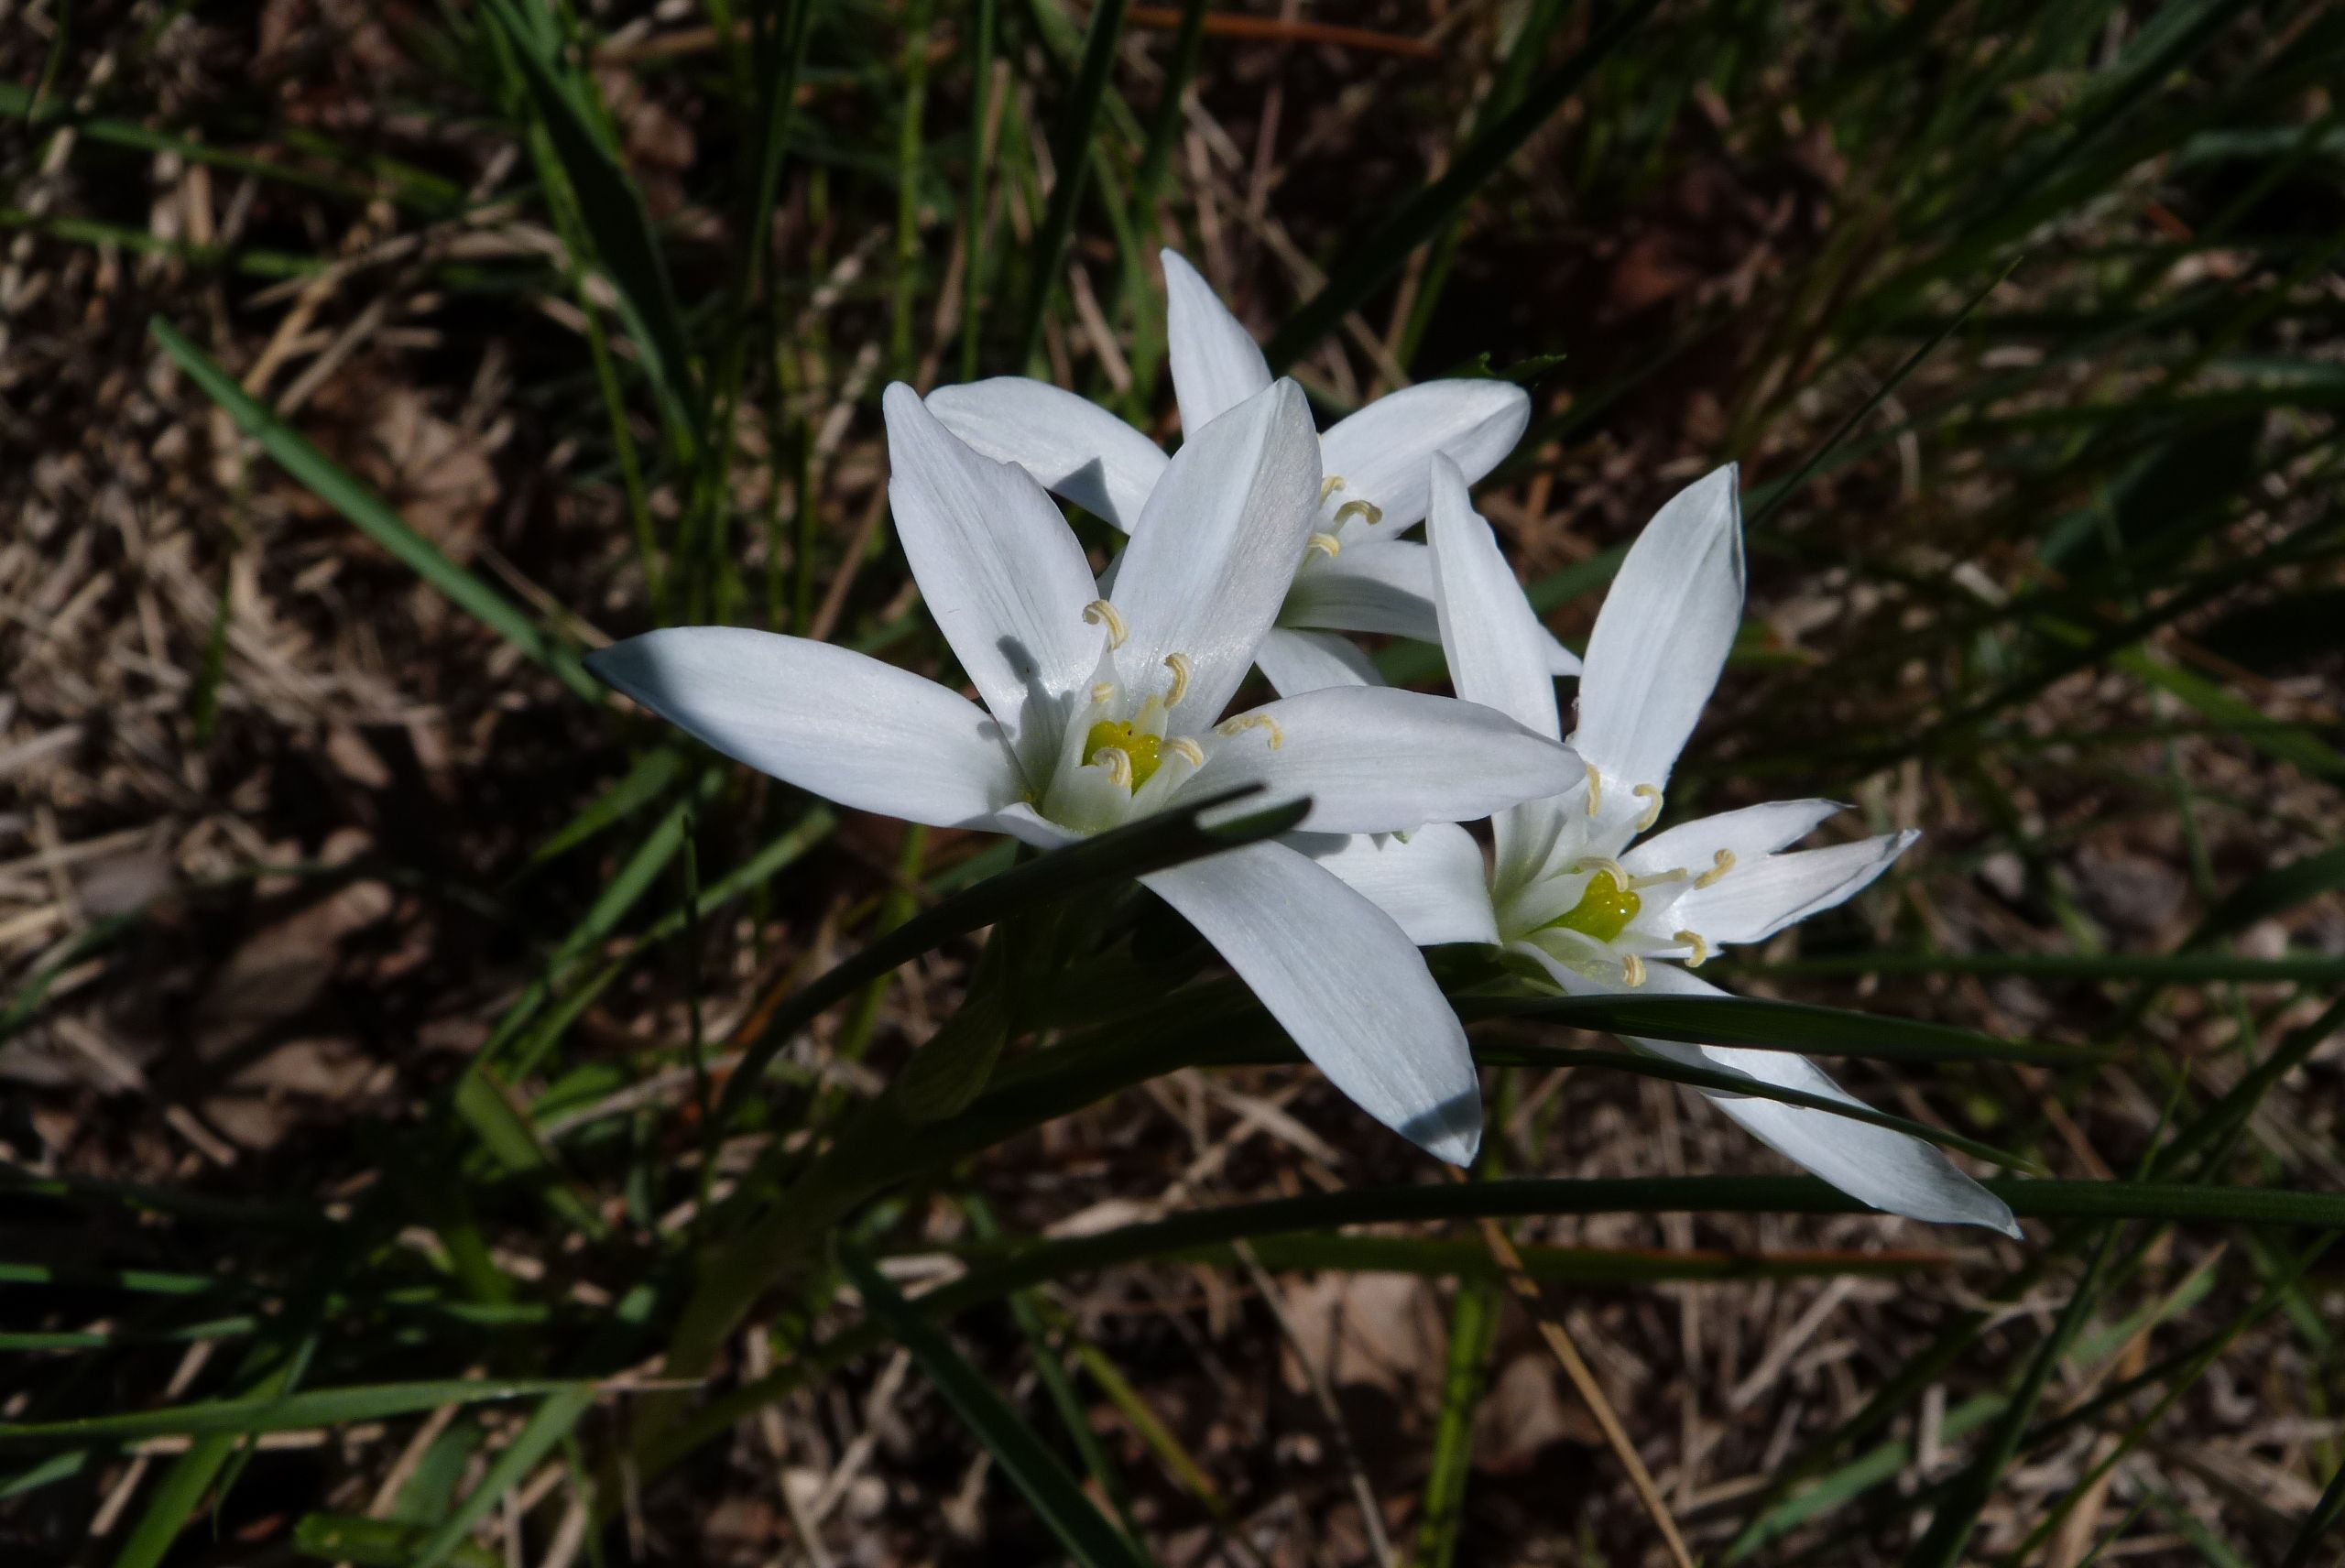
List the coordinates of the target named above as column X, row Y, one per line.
column 1659, row 878
column 1178, row 664
column 1698, row 942
column 1725, row 863
column 1653, row 812
column 1253, row 722
column 1099, row 612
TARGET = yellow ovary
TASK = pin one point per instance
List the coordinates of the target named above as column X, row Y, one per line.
column 1145, row 751
column 1604, row 911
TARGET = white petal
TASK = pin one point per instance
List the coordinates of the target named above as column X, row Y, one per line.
column 1216, row 364
column 1662, row 634
column 1747, row 834
column 1379, row 585
column 1561, row 660
column 1498, row 651
column 1754, row 901
column 1027, row 825
column 1071, row 446
column 1344, row 981
column 1431, row 881
column 1298, row 661
column 1000, row 570
column 1379, row 759
column 1875, row 1165
column 829, row 720
column 1217, row 544
column 1382, row 451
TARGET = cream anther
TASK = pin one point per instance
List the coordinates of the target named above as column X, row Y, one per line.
column 1327, row 545
column 1118, row 763
column 1725, row 863
column 1189, row 751
column 1594, row 792
column 1103, row 690
column 1653, row 812
column 1253, row 722
column 1632, row 970
column 1368, row 511
column 1698, row 942
column 1329, row 485
column 1099, row 612
column 1178, row 664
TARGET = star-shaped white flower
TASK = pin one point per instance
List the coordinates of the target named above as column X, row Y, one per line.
column 1574, row 896
column 1098, row 710
column 1357, row 573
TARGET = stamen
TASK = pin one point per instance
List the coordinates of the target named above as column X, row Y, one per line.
column 1329, row 485
column 1119, row 765
column 1178, row 664
column 1103, row 690
column 1606, row 865
column 1327, row 545
column 1698, row 942
column 1659, row 878
column 1368, row 511
column 1653, row 812
column 1099, row 612
column 1725, row 863
column 1594, row 792
column 1632, row 970
column 1253, row 722
column 1188, row 750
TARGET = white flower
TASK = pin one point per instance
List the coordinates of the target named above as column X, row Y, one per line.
column 1098, row 710
column 1358, row 574
column 1573, row 895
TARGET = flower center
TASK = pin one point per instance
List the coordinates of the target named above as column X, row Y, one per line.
column 1142, row 750
column 1605, row 908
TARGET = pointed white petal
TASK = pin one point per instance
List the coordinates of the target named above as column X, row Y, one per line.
column 1344, row 981
column 1071, row 446
column 1000, row 570
column 1755, row 900
column 1379, row 759
column 1431, row 881
column 1217, row 544
column 1216, row 364
column 1029, row 827
column 1498, row 651
column 1299, row 662
column 1747, row 834
column 827, row 719
column 1875, row 1165
column 1561, row 660
column 1382, row 451
column 1381, row 585
column 1662, row 634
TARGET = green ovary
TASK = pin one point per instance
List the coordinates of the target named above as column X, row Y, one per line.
column 1604, row 911
column 1144, row 750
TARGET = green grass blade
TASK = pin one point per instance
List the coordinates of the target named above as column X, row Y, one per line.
column 1473, row 1331
column 1370, row 261
column 1775, row 1026
column 1070, row 152
column 548, row 1425
column 611, row 207
column 340, row 489
column 1031, row 1468
column 377, row 1543
column 312, row 1407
